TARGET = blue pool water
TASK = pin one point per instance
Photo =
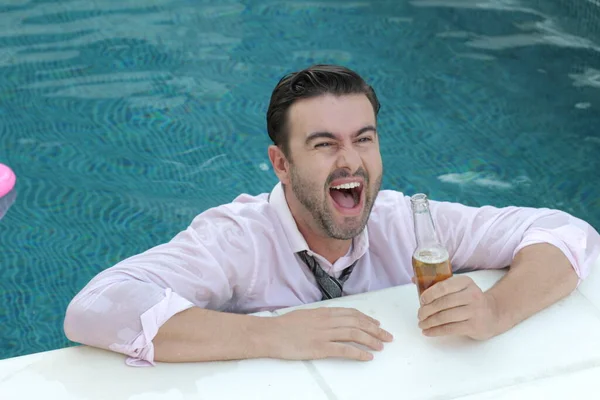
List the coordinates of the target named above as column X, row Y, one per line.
column 123, row 120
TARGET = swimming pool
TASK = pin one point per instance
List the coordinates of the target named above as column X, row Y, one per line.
column 124, row 121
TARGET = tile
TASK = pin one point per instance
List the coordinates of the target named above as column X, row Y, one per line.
column 560, row 339
column 575, row 385
column 83, row 372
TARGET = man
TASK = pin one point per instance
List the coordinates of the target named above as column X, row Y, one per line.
column 324, row 227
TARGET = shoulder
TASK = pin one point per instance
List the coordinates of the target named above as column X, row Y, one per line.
column 390, row 210
column 392, row 204
column 389, row 197
column 390, row 201
column 245, row 212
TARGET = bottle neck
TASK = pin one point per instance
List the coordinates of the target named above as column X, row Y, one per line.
column 425, row 232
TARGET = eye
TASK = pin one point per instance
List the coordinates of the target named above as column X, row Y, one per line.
column 324, row 144
column 365, row 139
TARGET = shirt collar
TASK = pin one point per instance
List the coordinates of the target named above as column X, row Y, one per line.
column 297, row 242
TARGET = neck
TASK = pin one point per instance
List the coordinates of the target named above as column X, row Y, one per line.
column 329, row 248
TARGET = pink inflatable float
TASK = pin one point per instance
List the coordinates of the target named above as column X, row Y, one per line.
column 7, row 183
column 7, row 180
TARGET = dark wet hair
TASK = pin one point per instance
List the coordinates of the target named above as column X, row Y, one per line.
column 311, row 82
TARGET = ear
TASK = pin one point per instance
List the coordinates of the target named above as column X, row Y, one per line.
column 280, row 164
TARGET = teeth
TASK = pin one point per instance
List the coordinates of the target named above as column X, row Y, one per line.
column 350, row 185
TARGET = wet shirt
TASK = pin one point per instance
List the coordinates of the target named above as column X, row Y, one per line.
column 243, row 257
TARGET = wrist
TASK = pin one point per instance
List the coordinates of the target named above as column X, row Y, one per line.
column 500, row 323
column 260, row 335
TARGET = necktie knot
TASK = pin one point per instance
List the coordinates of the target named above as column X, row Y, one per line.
column 330, row 286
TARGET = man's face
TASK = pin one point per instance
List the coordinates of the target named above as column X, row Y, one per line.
column 335, row 166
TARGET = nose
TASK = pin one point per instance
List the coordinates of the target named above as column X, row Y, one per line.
column 348, row 158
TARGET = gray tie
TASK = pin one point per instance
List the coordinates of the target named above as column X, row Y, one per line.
column 330, row 286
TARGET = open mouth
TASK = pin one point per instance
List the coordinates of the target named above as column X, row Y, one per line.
column 347, row 196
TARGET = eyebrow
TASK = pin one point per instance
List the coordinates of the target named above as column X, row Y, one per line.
column 329, row 135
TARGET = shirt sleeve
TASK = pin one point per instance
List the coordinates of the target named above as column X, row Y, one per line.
column 488, row 237
column 209, row 265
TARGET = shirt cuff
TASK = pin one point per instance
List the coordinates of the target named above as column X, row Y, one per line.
column 141, row 350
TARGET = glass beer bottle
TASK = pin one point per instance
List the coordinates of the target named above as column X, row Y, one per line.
column 430, row 260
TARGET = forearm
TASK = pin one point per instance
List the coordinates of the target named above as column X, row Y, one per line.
column 197, row 334
column 539, row 276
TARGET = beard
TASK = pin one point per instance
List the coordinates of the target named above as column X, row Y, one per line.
column 315, row 198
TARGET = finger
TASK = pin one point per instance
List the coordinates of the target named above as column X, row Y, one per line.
column 452, row 300
column 350, row 312
column 454, row 328
column 457, row 314
column 357, row 336
column 445, row 287
column 347, row 351
column 366, row 326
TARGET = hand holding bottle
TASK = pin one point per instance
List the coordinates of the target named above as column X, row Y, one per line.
column 457, row 306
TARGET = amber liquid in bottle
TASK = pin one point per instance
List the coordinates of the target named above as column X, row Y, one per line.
column 430, row 260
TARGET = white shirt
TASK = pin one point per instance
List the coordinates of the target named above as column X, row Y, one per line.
column 242, row 257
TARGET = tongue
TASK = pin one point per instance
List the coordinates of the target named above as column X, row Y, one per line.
column 343, row 198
